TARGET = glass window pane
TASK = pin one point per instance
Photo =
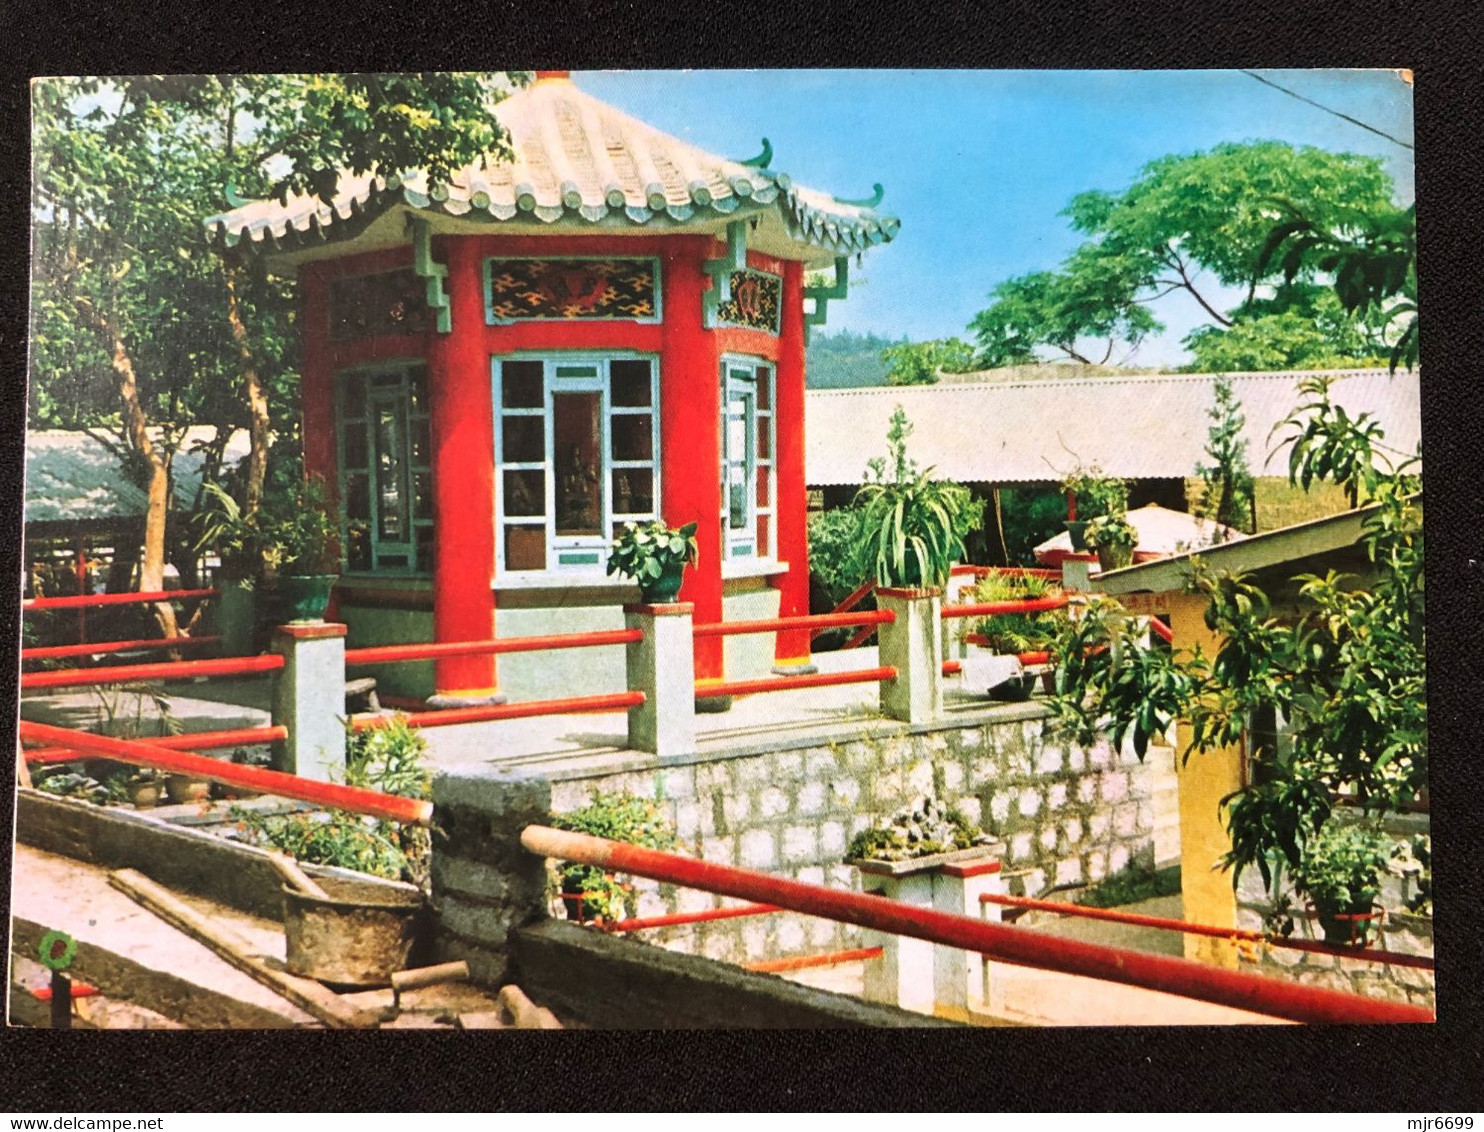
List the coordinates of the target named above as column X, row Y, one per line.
column 524, row 440
column 764, row 530
column 631, row 383
column 764, row 482
column 578, row 460
column 633, row 491
column 521, row 385
column 422, row 447
column 426, row 548
column 764, row 438
column 525, row 548
column 633, row 437
column 353, row 398
column 764, row 388
column 390, row 500
column 422, row 495
column 357, row 496
column 737, row 500
column 355, row 445
column 358, row 546
column 525, row 493
column 417, row 389
column 736, row 433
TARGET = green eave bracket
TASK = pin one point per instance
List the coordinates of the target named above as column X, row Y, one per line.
column 432, row 273
column 822, row 295
column 722, row 269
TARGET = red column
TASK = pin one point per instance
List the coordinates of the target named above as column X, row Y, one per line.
column 317, row 389
column 463, row 477
column 690, row 437
column 792, row 518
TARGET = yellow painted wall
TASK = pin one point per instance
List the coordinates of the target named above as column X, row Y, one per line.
column 1280, row 504
column 1204, row 780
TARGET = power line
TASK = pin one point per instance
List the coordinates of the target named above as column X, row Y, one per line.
column 1329, row 110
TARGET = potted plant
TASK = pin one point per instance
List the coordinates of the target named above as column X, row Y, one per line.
column 1091, row 493
column 1113, row 538
column 239, row 540
column 655, row 555
column 1340, row 873
column 913, row 526
column 1008, row 637
column 587, row 891
column 304, row 552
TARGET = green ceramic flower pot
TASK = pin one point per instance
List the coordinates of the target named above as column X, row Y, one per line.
column 304, row 598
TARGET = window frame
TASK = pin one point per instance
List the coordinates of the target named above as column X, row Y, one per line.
column 586, row 554
column 400, row 396
column 735, row 542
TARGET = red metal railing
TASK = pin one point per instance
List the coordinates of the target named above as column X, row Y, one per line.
column 80, row 601
column 1000, row 608
column 447, row 717
column 1161, row 630
column 390, row 654
column 1240, row 990
column 680, row 919
column 1016, row 571
column 819, row 621
column 103, row 648
column 196, row 741
column 804, row 962
column 1137, row 919
column 133, row 673
column 953, row 667
column 147, row 754
column 707, row 688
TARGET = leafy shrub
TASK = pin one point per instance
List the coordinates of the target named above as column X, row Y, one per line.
column 834, row 551
column 643, row 551
column 1016, row 632
column 616, row 817
column 1341, row 867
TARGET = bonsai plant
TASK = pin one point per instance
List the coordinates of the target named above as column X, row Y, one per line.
column 913, row 526
column 1013, row 634
column 587, row 889
column 1114, row 539
column 1340, row 872
column 1090, row 494
column 655, row 555
column 924, row 829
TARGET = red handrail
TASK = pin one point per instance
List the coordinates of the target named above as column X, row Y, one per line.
column 779, row 624
column 1137, row 919
column 1000, row 608
column 1243, row 991
column 195, row 741
column 1161, row 630
column 680, row 919
column 950, row 667
column 446, row 717
column 103, row 648
column 390, row 654
column 1018, row 571
column 351, row 798
column 169, row 670
column 78, row 601
column 708, row 689
column 804, row 962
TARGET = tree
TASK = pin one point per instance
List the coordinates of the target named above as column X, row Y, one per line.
column 1347, row 675
column 921, row 363
column 1230, row 492
column 1186, row 222
column 138, row 329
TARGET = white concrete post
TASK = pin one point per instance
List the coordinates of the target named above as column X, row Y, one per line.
column 309, row 699
column 903, row 976
column 1076, row 572
column 662, row 665
column 959, row 976
column 913, row 645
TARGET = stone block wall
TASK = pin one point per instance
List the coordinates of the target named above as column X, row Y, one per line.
column 1065, row 814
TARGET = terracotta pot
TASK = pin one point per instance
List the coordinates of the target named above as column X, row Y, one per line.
column 183, row 789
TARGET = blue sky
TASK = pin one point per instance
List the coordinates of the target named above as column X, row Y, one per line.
column 978, row 164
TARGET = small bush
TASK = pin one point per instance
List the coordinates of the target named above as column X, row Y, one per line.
column 616, row 817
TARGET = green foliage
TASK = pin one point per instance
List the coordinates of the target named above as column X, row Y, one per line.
column 1302, row 327
column 1029, row 518
column 1230, row 495
column 1340, row 868
column 834, row 551
column 946, row 830
column 1135, row 882
column 1016, row 632
column 845, row 360
column 1328, row 445
column 921, row 363
column 615, row 817
column 1097, row 494
column 388, row 759
column 1207, row 214
column 295, row 531
column 643, row 551
column 914, row 526
column 1111, row 531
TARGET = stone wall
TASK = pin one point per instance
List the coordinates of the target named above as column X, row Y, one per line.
column 1065, row 814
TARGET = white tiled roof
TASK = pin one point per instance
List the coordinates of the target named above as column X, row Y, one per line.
column 1134, row 426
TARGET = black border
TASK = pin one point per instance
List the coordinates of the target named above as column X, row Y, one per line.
column 1433, row 1069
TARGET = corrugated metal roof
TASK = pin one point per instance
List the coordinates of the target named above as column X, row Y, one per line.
column 70, row 477
column 576, row 160
column 1137, row 427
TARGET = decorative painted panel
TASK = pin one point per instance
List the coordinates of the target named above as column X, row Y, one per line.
column 518, row 290
column 755, row 302
column 367, row 306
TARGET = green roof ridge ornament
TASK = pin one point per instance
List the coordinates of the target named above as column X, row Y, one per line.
column 761, row 160
column 872, row 201
column 229, row 190
column 434, row 273
column 722, row 269
column 822, row 295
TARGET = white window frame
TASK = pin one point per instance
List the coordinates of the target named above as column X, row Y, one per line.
column 584, row 554
column 401, row 397
column 739, row 375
